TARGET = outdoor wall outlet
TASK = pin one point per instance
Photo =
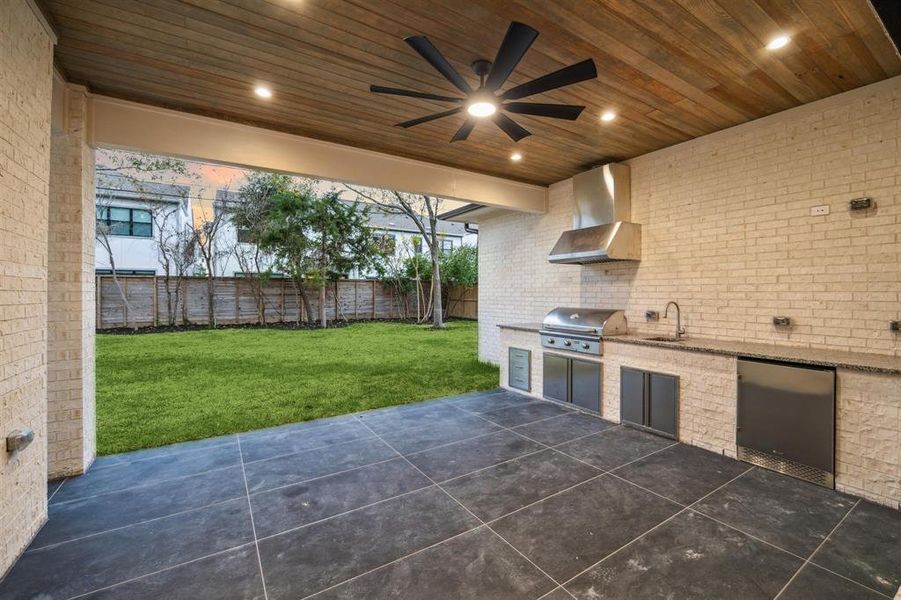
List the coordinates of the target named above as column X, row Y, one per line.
column 782, row 321
column 651, row 315
column 818, row 211
column 860, row 203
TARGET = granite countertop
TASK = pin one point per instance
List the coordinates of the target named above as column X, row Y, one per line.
column 521, row 326
column 860, row 361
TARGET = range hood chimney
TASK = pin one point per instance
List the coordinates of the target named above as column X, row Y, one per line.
column 601, row 229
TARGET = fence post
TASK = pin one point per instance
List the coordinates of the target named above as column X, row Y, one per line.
column 281, row 314
column 98, row 297
column 125, row 301
column 372, row 281
column 156, row 303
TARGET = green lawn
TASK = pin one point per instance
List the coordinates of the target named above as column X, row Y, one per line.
column 159, row 388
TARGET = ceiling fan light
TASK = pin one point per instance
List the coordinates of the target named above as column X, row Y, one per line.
column 481, row 108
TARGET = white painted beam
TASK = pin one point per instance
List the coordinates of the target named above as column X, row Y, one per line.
column 132, row 126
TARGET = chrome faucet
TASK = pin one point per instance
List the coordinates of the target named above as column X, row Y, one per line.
column 679, row 330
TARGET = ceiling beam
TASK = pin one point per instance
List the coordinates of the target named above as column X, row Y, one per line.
column 139, row 127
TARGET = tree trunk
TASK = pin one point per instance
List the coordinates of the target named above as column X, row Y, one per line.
column 308, row 307
column 170, row 315
column 322, row 320
column 437, row 309
column 210, row 303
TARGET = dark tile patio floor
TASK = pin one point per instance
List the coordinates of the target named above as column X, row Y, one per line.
column 489, row 495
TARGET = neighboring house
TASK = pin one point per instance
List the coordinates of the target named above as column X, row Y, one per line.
column 133, row 215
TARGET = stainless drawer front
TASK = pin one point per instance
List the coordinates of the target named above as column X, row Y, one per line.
column 519, row 372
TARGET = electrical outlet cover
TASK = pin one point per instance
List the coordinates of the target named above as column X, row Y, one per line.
column 816, row 211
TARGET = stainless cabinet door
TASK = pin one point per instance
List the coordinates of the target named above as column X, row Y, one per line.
column 631, row 395
column 556, row 378
column 663, row 393
column 586, row 385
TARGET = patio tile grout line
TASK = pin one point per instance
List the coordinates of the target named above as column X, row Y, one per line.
column 104, row 467
column 685, row 508
column 658, row 525
column 240, row 463
column 809, row 559
column 238, row 436
column 158, row 571
column 62, row 483
column 590, row 479
column 145, row 485
column 611, row 472
column 256, row 493
column 346, row 512
column 396, row 560
column 119, row 528
column 479, row 519
column 253, row 526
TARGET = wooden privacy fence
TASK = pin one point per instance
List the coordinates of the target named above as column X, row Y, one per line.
column 235, row 301
column 462, row 302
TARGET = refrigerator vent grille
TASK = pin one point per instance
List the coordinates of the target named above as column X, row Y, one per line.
column 787, row 467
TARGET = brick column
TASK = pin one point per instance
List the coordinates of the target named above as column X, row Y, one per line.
column 70, row 294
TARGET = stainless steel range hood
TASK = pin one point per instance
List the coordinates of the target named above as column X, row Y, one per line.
column 601, row 228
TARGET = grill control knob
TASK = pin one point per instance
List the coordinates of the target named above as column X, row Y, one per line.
column 550, row 340
column 567, row 343
column 586, row 345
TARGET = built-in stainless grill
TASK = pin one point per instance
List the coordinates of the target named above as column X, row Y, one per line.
column 581, row 329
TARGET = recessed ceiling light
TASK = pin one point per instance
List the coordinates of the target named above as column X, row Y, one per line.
column 778, row 42
column 516, row 157
column 608, row 116
column 262, row 91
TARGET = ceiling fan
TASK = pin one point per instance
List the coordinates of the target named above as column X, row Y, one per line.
column 487, row 100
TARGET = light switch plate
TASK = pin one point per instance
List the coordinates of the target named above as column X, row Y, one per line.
column 817, row 211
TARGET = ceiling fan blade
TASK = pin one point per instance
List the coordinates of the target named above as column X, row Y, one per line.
column 569, row 112
column 581, row 71
column 464, row 131
column 431, row 117
column 424, row 47
column 379, row 89
column 510, row 127
column 516, row 42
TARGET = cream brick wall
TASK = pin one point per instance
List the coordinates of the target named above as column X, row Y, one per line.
column 26, row 59
column 70, row 365
column 868, row 436
column 519, row 283
column 868, row 408
column 726, row 232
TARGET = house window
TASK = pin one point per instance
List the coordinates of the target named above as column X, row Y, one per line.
column 144, row 272
column 417, row 245
column 243, row 234
column 132, row 222
column 447, row 245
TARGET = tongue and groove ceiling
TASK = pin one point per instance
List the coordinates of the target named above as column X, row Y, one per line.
column 671, row 70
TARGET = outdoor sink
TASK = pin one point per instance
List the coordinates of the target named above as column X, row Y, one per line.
column 665, row 338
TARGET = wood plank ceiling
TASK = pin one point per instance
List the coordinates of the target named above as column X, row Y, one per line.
column 671, row 69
